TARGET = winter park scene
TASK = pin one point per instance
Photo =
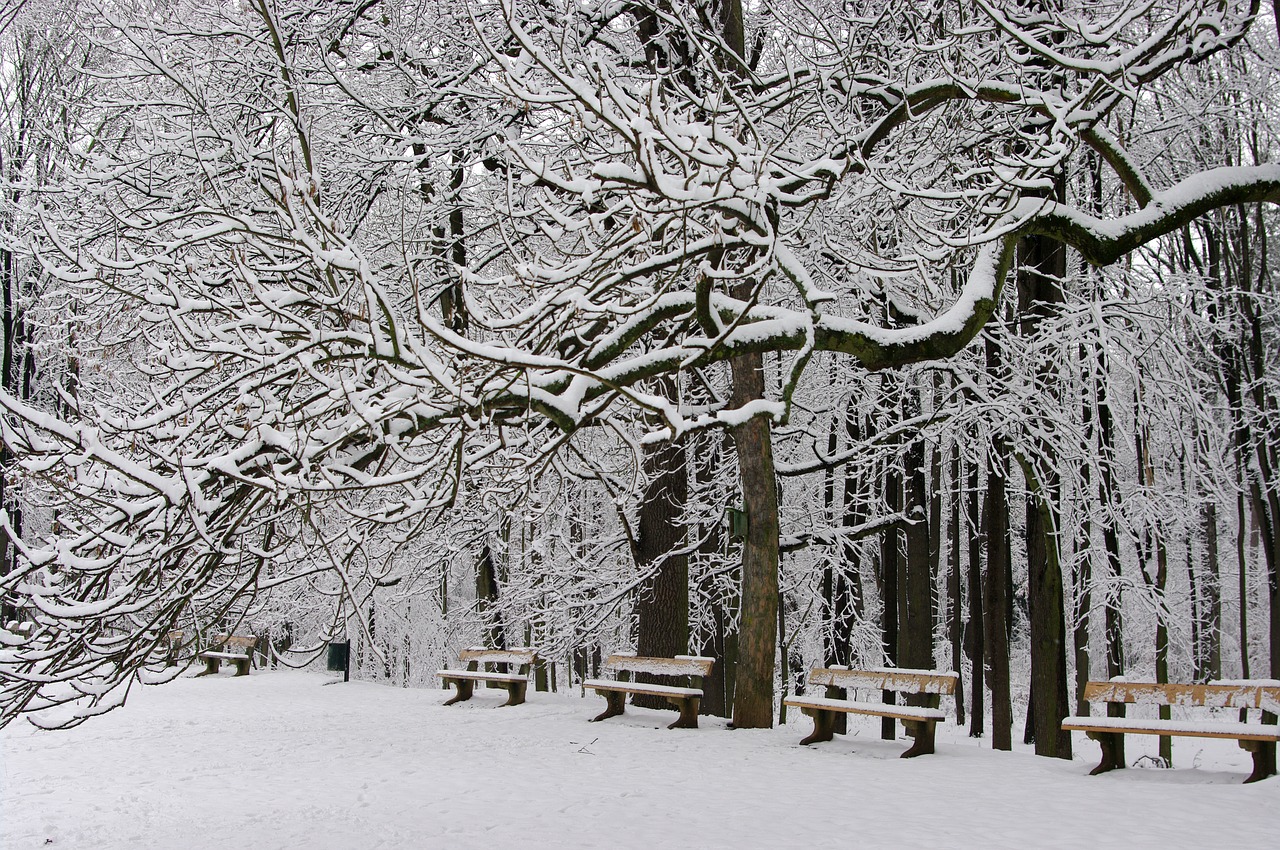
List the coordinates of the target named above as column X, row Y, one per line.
column 639, row 424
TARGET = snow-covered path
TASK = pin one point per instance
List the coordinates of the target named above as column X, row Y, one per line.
column 280, row 760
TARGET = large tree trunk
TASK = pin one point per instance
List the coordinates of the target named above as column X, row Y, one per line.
column 662, row 602
column 1043, row 267
column 1048, row 631
column 757, row 624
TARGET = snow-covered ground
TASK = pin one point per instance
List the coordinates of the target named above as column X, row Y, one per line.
column 286, row 760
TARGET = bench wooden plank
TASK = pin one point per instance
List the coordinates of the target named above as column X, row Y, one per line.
column 898, row 679
column 481, row 676
column 520, row 656
column 1186, row 728
column 680, row 665
column 641, row 688
column 1151, row 693
column 877, row 709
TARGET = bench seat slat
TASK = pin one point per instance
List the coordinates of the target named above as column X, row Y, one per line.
column 640, row 688
column 1199, row 729
column 480, row 675
column 879, row 709
column 681, row 665
column 231, row 655
column 886, row 679
column 498, row 656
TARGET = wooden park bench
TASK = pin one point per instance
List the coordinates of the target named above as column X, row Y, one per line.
column 918, row 720
column 236, row 649
column 686, row 700
column 465, row 680
column 1258, row 738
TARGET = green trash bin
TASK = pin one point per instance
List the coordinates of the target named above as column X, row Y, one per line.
column 340, row 658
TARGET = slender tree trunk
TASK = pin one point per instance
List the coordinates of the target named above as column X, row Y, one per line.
column 995, row 602
column 1242, row 566
column 487, row 599
column 837, row 599
column 889, row 590
column 1154, row 543
column 916, row 631
column 955, row 610
column 975, row 639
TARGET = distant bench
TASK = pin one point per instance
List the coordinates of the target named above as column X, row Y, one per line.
column 172, row 646
column 1258, row 738
column 236, row 649
column 687, row 700
column 465, row 680
column 918, row 720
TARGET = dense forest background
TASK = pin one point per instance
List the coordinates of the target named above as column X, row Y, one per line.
column 934, row 335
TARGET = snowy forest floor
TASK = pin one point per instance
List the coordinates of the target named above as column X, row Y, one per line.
column 286, row 760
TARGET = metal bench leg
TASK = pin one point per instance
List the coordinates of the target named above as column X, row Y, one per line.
column 1264, row 759
column 516, row 692
column 616, row 705
column 688, row 718
column 923, row 733
column 465, row 688
column 824, row 724
column 1112, row 744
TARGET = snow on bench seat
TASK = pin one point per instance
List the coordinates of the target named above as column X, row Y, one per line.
column 640, row 688
column 906, row 680
column 1196, row 728
column 879, row 709
column 480, row 676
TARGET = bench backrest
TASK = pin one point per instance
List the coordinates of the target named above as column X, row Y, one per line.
column 901, row 679
column 233, row 643
column 522, row 656
column 1216, row 696
column 693, row 666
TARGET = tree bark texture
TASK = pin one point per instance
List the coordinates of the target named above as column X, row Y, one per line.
column 995, row 600
column 662, row 602
column 757, row 629
column 975, row 640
